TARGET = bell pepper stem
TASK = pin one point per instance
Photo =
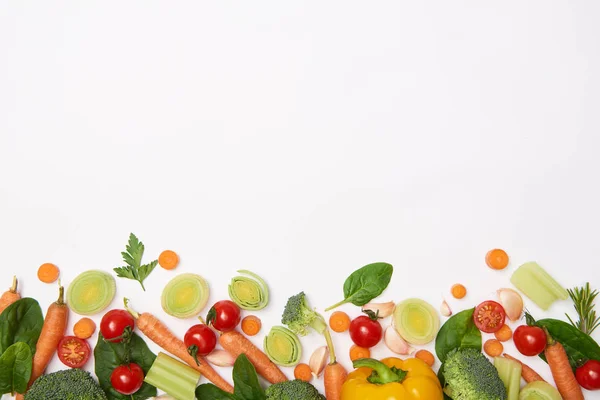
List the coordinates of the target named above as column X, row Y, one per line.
column 382, row 374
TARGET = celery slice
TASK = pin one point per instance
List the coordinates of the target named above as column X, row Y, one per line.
column 538, row 285
column 173, row 377
column 510, row 373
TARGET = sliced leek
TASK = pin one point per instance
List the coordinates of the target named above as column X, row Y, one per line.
column 249, row 292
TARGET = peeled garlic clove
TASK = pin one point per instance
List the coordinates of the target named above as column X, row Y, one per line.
column 220, row 358
column 512, row 303
column 395, row 342
column 445, row 309
column 318, row 360
column 384, row 309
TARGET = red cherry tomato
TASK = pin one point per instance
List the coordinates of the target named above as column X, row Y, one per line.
column 114, row 323
column 224, row 316
column 127, row 379
column 200, row 340
column 588, row 375
column 489, row 316
column 365, row 331
column 529, row 340
column 73, row 352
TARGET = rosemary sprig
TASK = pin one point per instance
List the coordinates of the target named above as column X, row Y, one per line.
column 583, row 301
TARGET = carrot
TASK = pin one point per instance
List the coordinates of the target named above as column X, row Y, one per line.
column 504, row 334
column 496, row 259
column 339, row 321
column 168, row 259
column 563, row 375
column 251, row 325
column 526, row 371
column 10, row 296
column 53, row 331
column 357, row 352
column 48, row 273
column 160, row 334
column 458, row 291
column 236, row 343
column 426, row 356
column 303, row 372
column 493, row 347
column 84, row 328
column 334, row 377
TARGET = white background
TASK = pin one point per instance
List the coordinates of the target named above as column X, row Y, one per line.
column 301, row 141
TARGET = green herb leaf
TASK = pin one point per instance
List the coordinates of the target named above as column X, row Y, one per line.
column 109, row 355
column 458, row 332
column 365, row 284
column 15, row 368
column 21, row 322
column 583, row 301
column 245, row 379
column 133, row 258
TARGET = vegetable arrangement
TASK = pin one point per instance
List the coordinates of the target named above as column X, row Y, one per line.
column 471, row 367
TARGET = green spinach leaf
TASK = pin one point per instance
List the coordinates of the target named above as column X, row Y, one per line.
column 578, row 345
column 109, row 356
column 245, row 380
column 458, row 332
column 15, row 368
column 21, row 322
column 208, row 391
column 365, row 284
column 442, row 380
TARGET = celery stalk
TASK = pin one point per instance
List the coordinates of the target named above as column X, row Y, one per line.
column 538, row 285
column 173, row 377
column 510, row 373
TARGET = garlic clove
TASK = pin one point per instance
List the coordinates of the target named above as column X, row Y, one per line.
column 220, row 358
column 318, row 360
column 384, row 309
column 395, row 342
column 512, row 302
column 445, row 309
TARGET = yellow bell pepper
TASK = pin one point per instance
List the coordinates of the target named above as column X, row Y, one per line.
column 391, row 379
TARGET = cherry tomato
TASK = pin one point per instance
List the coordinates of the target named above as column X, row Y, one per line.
column 489, row 316
column 127, row 379
column 588, row 375
column 114, row 323
column 365, row 331
column 224, row 316
column 73, row 352
column 200, row 340
column 529, row 340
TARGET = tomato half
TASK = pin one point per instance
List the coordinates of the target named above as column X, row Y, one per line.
column 224, row 316
column 127, row 379
column 73, row 352
column 489, row 316
column 588, row 375
column 114, row 323
column 530, row 340
column 365, row 331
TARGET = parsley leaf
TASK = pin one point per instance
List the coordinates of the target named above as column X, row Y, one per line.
column 133, row 258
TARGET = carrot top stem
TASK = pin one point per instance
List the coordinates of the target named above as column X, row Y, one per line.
column 549, row 339
column 61, row 295
column 13, row 288
column 330, row 345
column 131, row 311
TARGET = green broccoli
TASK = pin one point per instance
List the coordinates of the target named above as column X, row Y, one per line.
column 297, row 315
column 71, row 384
column 293, row 390
column 470, row 375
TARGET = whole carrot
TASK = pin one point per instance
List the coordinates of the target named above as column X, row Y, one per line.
column 235, row 343
column 565, row 380
column 526, row 371
column 160, row 334
column 335, row 374
column 10, row 296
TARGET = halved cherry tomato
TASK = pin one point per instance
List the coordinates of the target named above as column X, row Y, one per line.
column 73, row 352
column 489, row 316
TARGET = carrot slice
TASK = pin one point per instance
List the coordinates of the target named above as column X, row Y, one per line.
column 168, row 259
column 339, row 321
column 251, row 325
column 458, row 291
column 48, row 273
column 496, row 259
column 303, row 372
column 357, row 352
column 84, row 328
column 426, row 356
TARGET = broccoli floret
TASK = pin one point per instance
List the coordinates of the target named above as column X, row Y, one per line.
column 470, row 375
column 293, row 390
column 298, row 315
column 71, row 384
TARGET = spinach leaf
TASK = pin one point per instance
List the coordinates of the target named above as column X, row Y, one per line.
column 15, row 368
column 458, row 332
column 21, row 322
column 245, row 380
column 365, row 284
column 109, row 356
column 578, row 345
column 209, row 391
column 442, row 380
